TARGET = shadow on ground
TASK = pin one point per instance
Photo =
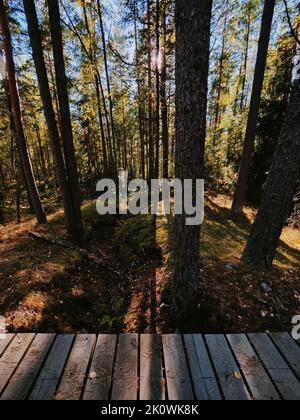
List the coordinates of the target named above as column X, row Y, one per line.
column 50, row 288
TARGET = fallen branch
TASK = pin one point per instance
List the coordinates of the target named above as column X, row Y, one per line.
column 37, row 236
column 85, row 255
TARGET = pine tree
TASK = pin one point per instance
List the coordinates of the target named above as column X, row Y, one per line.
column 240, row 192
column 36, row 43
column 18, row 120
column 279, row 189
column 192, row 56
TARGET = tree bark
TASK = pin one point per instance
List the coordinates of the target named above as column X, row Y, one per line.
column 113, row 134
column 218, row 115
column 163, row 99
column 104, row 150
column 38, row 57
column 150, row 93
column 139, row 93
column 157, row 78
column 279, row 189
column 41, row 151
column 67, row 133
column 240, row 192
column 192, row 60
column 18, row 120
column 245, row 64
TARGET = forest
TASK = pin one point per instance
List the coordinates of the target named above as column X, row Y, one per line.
column 159, row 89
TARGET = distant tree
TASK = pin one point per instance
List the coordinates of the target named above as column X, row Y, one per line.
column 18, row 119
column 64, row 107
column 64, row 183
column 277, row 90
column 111, row 112
column 192, row 59
column 279, row 189
column 163, row 95
column 240, row 192
column 151, row 162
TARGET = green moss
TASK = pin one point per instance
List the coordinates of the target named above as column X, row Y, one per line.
column 136, row 238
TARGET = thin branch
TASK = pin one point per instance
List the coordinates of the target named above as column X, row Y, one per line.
column 293, row 32
column 117, row 54
column 122, row 59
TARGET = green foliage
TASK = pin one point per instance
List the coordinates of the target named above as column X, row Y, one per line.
column 273, row 109
column 235, row 31
column 135, row 239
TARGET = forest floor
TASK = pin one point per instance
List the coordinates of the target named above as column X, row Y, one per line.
column 116, row 284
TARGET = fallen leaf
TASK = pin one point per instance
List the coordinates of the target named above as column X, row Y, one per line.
column 237, row 375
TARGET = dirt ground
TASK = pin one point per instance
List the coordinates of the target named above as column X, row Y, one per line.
column 116, row 284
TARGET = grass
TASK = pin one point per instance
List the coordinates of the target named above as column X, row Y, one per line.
column 223, row 240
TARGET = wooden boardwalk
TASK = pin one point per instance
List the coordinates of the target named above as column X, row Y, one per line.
column 149, row 367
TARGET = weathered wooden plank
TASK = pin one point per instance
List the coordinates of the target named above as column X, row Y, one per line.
column 4, row 342
column 205, row 384
column 100, row 376
column 47, row 382
column 125, row 381
column 21, row 382
column 228, row 372
column 12, row 356
column 152, row 383
column 71, row 385
column 177, row 373
column 257, row 378
column 281, row 374
column 290, row 349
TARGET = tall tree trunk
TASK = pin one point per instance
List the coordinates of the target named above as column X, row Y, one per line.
column 125, row 161
column 150, row 92
column 102, row 133
column 67, row 133
column 239, row 197
column 244, row 74
column 220, row 81
column 279, row 189
column 157, row 78
column 108, row 128
column 99, row 88
column 139, row 98
column 37, row 49
column 192, row 60
column 41, row 151
column 113, row 134
column 14, row 158
column 18, row 121
column 163, row 98
column 54, row 90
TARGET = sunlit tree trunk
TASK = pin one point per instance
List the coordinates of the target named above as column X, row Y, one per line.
column 279, row 189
